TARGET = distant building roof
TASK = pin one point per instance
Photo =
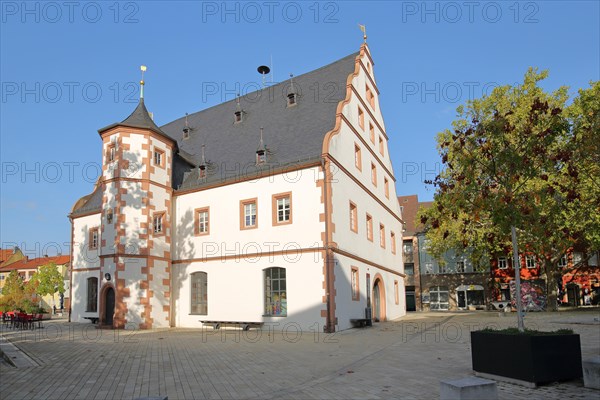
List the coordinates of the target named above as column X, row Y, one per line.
column 35, row 263
column 410, row 206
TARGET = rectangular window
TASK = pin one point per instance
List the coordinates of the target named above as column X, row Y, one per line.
column 382, row 235
column 357, row 157
column 562, row 263
column 199, row 294
column 460, row 267
column 158, row 224
column 354, row 283
column 409, row 269
column 94, row 238
column 282, row 208
column 502, row 263
column 372, row 133
column 249, row 214
column 386, row 187
column 370, row 96
column 353, row 218
column 361, row 118
column 381, row 147
column 396, row 292
column 111, row 152
column 275, row 292
column 373, row 174
column 159, row 157
column 530, row 261
column 429, row 268
column 202, row 221
column 393, row 242
column 369, row 227
column 92, row 295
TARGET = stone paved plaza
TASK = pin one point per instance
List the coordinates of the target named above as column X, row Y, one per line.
column 403, row 359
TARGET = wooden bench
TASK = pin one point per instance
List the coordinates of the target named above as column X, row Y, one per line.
column 244, row 325
column 93, row 319
column 360, row 322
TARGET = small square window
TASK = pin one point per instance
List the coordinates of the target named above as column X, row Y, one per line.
column 202, row 221
column 530, row 262
column 502, row 263
column 282, row 208
column 562, row 263
column 292, row 99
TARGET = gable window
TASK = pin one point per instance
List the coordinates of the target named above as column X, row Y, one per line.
column 370, row 96
column 357, row 157
column 372, row 133
column 354, row 284
column 361, row 118
column 158, row 223
column 373, row 174
column 530, row 262
column 393, row 242
column 275, row 292
column 502, row 263
column 369, row 227
column 381, row 147
column 159, row 157
column 460, row 267
column 386, row 187
column 92, row 295
column 199, row 293
column 353, row 218
column 94, row 238
column 382, row 235
column 248, row 214
column 111, row 152
column 202, row 221
column 282, row 208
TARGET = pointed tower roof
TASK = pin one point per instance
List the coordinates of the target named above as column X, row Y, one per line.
column 139, row 118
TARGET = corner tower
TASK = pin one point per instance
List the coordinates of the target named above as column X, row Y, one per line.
column 135, row 228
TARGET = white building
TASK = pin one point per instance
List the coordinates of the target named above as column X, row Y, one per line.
column 203, row 220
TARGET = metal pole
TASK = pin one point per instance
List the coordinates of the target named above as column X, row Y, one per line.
column 517, row 268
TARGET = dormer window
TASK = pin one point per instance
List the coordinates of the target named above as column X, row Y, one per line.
column 202, row 171
column 261, row 156
column 238, row 116
column 186, row 133
column 292, row 99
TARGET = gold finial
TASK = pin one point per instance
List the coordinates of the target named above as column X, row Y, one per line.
column 143, row 69
column 364, row 31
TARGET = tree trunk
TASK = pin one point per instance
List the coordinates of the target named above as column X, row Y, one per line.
column 551, row 285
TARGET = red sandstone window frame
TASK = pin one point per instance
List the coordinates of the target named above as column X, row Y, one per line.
column 275, row 208
column 393, row 241
column 354, row 283
column 361, row 118
column 243, row 204
column 111, row 152
column 372, row 133
column 353, row 217
column 396, row 292
column 357, row 157
column 374, row 174
column 381, row 147
column 158, row 155
column 386, row 187
column 197, row 221
column 160, row 217
column 94, row 238
column 382, row 236
column 369, row 219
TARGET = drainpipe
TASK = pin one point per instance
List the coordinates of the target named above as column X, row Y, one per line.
column 329, row 324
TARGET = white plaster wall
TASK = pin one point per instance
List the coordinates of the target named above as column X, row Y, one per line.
column 79, row 300
column 159, row 200
column 83, row 257
column 227, row 238
column 136, row 155
column 109, row 232
column 134, row 217
column 132, row 275
column 236, row 291
column 161, row 175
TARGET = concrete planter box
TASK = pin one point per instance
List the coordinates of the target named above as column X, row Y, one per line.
column 530, row 358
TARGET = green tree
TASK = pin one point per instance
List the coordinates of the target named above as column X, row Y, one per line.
column 13, row 292
column 514, row 163
column 49, row 280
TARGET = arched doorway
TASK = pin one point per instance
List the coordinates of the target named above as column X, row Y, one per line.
column 107, row 305
column 378, row 299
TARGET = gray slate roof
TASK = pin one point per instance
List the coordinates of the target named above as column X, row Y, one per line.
column 292, row 135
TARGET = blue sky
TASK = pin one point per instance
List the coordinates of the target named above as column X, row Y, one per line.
column 68, row 69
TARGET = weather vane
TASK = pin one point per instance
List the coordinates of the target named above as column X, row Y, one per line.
column 143, row 69
column 364, row 31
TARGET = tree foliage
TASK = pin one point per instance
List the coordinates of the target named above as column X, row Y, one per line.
column 49, row 280
column 519, row 157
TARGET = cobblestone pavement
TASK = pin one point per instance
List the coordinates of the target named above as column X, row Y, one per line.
column 403, row 359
